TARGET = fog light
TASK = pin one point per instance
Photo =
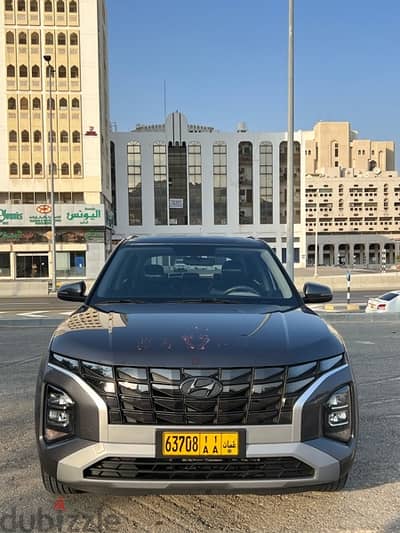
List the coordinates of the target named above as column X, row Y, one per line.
column 58, row 415
column 338, row 419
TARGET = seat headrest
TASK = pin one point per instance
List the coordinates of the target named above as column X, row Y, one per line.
column 232, row 267
column 153, row 270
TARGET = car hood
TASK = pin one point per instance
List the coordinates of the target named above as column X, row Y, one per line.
column 203, row 335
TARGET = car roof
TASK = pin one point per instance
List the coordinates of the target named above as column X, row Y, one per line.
column 220, row 240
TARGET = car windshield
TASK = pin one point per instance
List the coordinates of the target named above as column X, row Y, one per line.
column 388, row 296
column 186, row 273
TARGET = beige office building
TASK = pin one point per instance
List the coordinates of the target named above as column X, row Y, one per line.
column 74, row 34
column 352, row 197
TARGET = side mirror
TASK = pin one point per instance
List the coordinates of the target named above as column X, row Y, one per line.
column 73, row 292
column 314, row 293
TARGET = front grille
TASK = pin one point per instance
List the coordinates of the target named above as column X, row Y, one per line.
column 126, row 468
column 249, row 396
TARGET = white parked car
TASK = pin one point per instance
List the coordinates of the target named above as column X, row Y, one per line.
column 388, row 302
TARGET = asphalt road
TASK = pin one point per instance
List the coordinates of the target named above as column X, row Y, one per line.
column 52, row 307
column 370, row 503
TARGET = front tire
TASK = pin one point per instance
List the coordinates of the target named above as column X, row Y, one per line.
column 52, row 485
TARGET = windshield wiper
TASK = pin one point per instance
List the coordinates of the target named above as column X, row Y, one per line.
column 121, row 301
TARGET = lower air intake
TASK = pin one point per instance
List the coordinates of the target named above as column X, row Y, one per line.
column 126, row 468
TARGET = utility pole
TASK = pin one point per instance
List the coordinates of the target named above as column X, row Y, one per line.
column 290, row 179
column 50, row 71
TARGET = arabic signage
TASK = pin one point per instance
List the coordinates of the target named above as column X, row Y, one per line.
column 41, row 235
column 40, row 215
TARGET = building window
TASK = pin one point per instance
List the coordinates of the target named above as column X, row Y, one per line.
column 336, row 153
column 62, row 72
column 32, row 266
column 134, row 183
column 77, row 169
column 23, row 71
column 10, row 71
column 12, row 136
column 65, row 169
column 73, row 39
column 60, row 6
column 245, row 182
column 26, row 169
column 49, row 39
column 336, row 163
column 34, row 6
column 73, row 7
column 12, row 104
column 38, row 169
column 195, row 184
column 71, row 264
column 35, row 71
column 64, row 136
column 76, row 137
column 61, row 40
column 63, row 104
column 48, row 6
column 13, row 169
column 21, row 5
column 35, row 38
column 24, row 104
column 22, row 38
column 5, row 268
column 160, row 184
column 283, row 181
column 37, row 136
column 75, row 103
column 177, row 184
column 51, row 104
column 24, row 136
column 266, row 183
column 9, row 37
column 36, row 103
column 9, row 6
column 74, row 72
column 220, row 183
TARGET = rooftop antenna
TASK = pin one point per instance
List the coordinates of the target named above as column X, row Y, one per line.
column 165, row 98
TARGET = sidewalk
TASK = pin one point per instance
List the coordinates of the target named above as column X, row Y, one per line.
column 336, row 278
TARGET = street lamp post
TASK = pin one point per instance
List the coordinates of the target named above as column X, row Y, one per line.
column 316, row 243
column 290, row 141
column 50, row 71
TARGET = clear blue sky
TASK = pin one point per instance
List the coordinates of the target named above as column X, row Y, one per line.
column 226, row 61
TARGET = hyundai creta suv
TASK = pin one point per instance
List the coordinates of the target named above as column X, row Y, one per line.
column 193, row 364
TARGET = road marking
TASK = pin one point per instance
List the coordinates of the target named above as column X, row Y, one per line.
column 66, row 313
column 364, row 342
column 33, row 314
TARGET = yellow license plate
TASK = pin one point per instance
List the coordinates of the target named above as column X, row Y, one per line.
column 201, row 444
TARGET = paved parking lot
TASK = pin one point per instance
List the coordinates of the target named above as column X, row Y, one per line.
column 371, row 501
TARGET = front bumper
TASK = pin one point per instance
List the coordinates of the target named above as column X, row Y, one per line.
column 68, row 460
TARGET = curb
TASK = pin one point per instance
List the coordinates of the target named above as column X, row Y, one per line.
column 350, row 308
column 31, row 322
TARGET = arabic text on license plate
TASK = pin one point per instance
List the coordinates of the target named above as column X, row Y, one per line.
column 200, row 444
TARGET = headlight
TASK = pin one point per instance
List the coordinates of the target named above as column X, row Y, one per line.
column 338, row 415
column 58, row 413
column 99, row 377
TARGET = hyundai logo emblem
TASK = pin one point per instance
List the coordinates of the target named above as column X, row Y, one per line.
column 201, row 388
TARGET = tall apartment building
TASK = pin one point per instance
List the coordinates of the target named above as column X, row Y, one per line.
column 74, row 34
column 352, row 197
column 178, row 177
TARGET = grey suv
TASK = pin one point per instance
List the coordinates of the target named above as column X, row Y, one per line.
column 194, row 364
